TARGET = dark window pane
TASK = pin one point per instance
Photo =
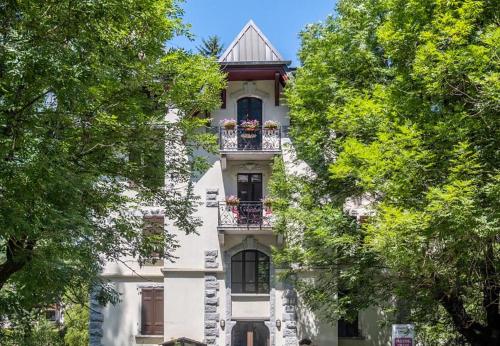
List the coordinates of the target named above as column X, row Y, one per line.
column 348, row 329
column 262, row 256
column 237, row 272
column 249, row 255
column 250, row 288
column 238, row 256
column 242, row 178
column 256, row 178
column 236, row 288
column 250, row 272
column 263, row 287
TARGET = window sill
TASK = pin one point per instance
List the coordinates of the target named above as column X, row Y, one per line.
column 352, row 337
column 250, row 295
column 149, row 339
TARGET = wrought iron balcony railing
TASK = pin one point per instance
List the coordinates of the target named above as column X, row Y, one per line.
column 245, row 214
column 244, row 139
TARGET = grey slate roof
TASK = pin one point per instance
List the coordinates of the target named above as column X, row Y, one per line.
column 251, row 45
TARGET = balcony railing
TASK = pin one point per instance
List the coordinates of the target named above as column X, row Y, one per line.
column 258, row 139
column 245, row 214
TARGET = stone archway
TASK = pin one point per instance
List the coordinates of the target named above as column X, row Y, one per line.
column 248, row 333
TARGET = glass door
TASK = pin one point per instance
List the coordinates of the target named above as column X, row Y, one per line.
column 250, row 195
column 249, row 123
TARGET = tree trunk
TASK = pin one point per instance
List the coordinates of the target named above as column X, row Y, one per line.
column 18, row 254
column 475, row 333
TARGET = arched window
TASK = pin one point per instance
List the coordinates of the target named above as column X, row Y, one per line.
column 249, row 108
column 250, row 272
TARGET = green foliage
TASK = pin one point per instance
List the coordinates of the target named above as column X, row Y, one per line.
column 76, row 324
column 84, row 88
column 211, row 47
column 31, row 330
column 398, row 101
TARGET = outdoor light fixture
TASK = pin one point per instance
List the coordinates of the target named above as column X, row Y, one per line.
column 278, row 324
column 222, row 323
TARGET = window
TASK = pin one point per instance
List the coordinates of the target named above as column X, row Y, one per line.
column 250, row 272
column 152, row 311
column 153, row 237
column 149, row 160
column 249, row 108
column 348, row 329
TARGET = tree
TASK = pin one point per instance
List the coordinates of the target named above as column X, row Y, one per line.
column 211, row 47
column 85, row 87
column 397, row 102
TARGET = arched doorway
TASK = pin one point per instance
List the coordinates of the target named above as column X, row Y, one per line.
column 249, row 109
column 246, row 333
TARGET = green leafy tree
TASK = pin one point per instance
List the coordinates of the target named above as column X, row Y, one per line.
column 76, row 324
column 211, row 47
column 397, row 101
column 84, row 89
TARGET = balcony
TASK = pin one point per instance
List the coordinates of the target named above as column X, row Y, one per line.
column 245, row 218
column 240, row 143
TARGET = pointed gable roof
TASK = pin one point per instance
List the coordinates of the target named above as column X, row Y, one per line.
column 251, row 45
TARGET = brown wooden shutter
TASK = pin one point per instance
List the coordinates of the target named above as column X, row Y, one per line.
column 152, row 311
column 158, row 311
column 147, row 314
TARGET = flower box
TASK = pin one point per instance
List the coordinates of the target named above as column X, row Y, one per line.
column 228, row 124
column 232, row 201
column 250, row 125
column 271, row 125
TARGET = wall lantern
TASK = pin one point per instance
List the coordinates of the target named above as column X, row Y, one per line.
column 278, row 324
column 222, row 323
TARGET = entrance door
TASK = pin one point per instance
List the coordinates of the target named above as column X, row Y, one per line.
column 250, row 334
column 249, row 108
column 250, row 195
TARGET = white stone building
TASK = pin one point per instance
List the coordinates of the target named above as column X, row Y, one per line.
column 223, row 288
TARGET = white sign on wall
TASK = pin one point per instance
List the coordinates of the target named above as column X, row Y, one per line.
column 403, row 335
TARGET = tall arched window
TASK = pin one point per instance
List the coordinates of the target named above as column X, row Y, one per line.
column 249, row 108
column 250, row 272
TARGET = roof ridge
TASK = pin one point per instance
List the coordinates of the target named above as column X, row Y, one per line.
column 233, row 50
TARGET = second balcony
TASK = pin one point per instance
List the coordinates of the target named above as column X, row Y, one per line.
column 249, row 143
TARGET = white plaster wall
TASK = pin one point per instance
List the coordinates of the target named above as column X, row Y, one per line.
column 250, row 307
column 184, row 305
column 122, row 321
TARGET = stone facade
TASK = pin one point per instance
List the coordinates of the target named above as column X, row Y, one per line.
column 211, row 327
column 96, row 320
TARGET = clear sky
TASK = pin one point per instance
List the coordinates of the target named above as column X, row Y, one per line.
column 280, row 20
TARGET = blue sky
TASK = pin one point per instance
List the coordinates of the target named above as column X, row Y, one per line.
column 280, row 20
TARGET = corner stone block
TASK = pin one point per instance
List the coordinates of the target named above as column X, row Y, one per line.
column 210, row 308
column 210, row 340
column 212, row 285
column 289, row 317
column 212, row 331
column 211, row 316
column 210, row 265
column 210, row 292
column 210, row 324
column 291, row 341
column 213, row 253
column 211, row 301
